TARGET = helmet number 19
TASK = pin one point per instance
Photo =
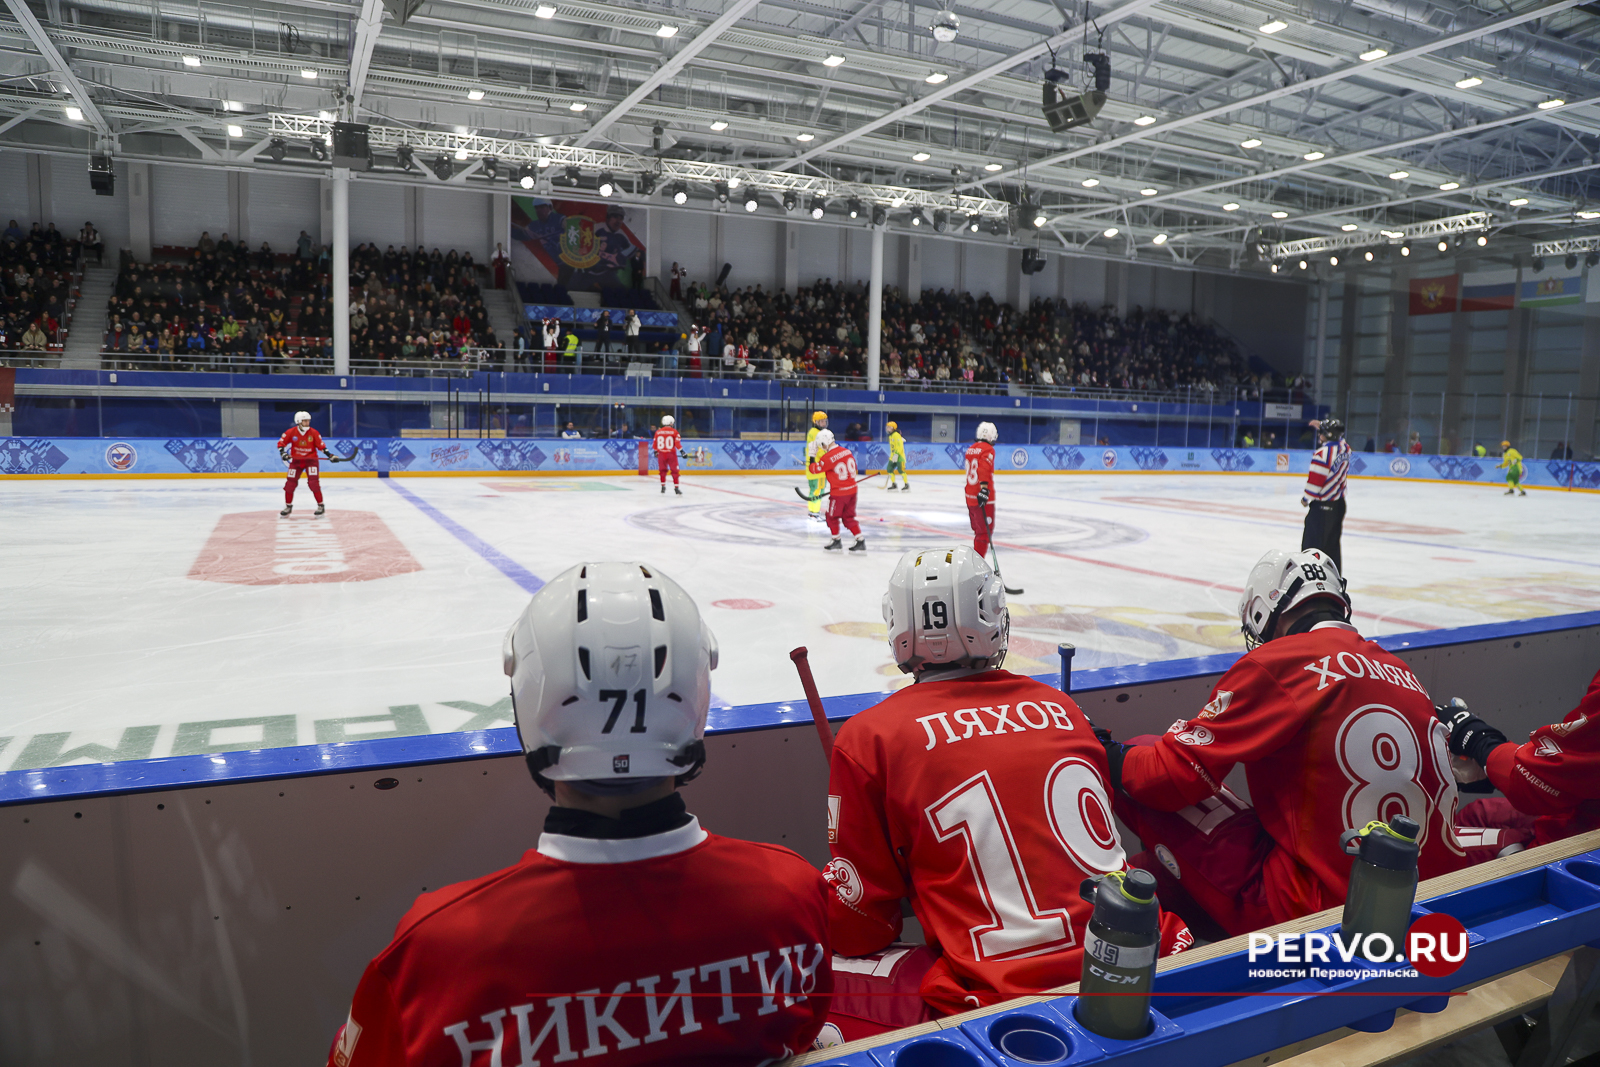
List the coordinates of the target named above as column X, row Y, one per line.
column 935, row 616
column 619, row 697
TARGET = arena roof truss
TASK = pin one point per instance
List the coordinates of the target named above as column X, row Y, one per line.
column 1228, row 124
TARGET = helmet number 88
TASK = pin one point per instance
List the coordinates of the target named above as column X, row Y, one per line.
column 935, row 615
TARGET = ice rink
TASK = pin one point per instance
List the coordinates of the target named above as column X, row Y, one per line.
column 159, row 617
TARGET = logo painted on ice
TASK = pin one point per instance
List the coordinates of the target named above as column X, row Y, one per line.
column 122, row 456
column 1400, row 466
column 1019, row 457
column 1108, row 458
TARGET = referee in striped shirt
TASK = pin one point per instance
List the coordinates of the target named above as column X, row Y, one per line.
column 1324, row 491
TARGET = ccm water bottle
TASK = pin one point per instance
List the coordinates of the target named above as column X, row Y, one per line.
column 1383, row 882
column 1119, row 954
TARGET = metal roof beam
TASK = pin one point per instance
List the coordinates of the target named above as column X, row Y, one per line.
column 59, row 65
column 362, row 43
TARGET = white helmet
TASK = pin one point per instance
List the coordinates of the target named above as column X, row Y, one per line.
column 610, row 667
column 302, row 416
column 667, row 420
column 987, row 432
column 824, row 440
column 945, row 607
column 1283, row 580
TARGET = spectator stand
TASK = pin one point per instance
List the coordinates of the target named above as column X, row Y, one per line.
column 41, row 276
column 419, row 313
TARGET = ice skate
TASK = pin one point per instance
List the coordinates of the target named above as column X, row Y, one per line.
column 832, row 546
column 663, row 488
column 286, row 509
column 676, row 491
column 1522, row 492
column 321, row 507
column 860, row 545
column 1509, row 492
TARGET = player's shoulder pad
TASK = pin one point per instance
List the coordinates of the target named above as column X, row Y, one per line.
column 439, row 900
column 763, row 852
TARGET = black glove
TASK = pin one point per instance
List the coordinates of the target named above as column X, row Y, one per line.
column 284, row 453
column 1116, row 751
column 1470, row 736
column 983, row 495
column 1482, row 785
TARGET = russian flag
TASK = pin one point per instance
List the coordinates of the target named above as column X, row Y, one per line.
column 1489, row 290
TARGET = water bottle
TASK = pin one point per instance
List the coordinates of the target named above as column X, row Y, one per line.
column 1383, row 882
column 1119, row 954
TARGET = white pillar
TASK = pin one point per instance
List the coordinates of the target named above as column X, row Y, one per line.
column 139, row 210
column 875, row 310
column 1322, row 341
column 341, row 270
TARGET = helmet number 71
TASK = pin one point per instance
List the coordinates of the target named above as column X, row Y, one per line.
column 619, row 697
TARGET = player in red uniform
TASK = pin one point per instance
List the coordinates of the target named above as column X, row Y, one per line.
column 629, row 933
column 667, row 443
column 978, row 794
column 980, row 486
column 1333, row 732
column 838, row 465
column 299, row 446
column 1551, row 783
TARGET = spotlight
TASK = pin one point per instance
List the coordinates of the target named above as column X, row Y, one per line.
column 1571, row 261
column 1000, row 227
column 974, row 223
column 1592, row 259
column 1333, row 261
column 647, row 184
column 790, row 201
column 573, row 174
column 946, row 27
column 1444, row 246
column 277, row 150
column 607, row 184
column 442, row 167
column 880, row 215
column 916, row 217
column 853, row 208
column 461, row 154
column 525, row 176
column 491, row 167
column 1304, row 264
column 680, row 193
column 1538, row 264
column 1483, row 240
column 941, row 221
column 750, row 201
column 402, row 156
column 1032, row 214
column 1405, row 249
column 819, row 207
column 1367, row 256
column 721, row 189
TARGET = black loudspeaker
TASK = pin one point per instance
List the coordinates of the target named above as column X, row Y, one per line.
column 726, row 267
column 1032, row 261
column 350, row 147
column 102, row 179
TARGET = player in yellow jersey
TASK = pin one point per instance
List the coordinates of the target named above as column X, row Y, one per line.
column 897, row 458
column 1511, row 460
column 814, row 478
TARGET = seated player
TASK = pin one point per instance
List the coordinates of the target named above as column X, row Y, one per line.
column 978, row 794
column 629, row 932
column 838, row 465
column 1551, row 783
column 1333, row 733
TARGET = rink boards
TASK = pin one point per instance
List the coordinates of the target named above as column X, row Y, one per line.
column 385, row 456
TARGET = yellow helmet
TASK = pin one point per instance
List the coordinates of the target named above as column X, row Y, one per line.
column 893, row 426
column 819, row 416
column 1505, row 444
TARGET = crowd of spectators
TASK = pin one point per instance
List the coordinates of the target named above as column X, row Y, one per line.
column 945, row 339
column 36, row 269
column 412, row 308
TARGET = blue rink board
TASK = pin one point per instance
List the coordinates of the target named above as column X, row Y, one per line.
column 392, row 455
column 176, row 772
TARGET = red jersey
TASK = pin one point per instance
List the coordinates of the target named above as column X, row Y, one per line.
column 839, row 464
column 983, row 799
column 1556, row 775
column 545, row 961
column 1334, row 732
column 980, row 470
column 667, row 439
column 301, row 446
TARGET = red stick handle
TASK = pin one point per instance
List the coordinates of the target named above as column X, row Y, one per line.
column 809, row 684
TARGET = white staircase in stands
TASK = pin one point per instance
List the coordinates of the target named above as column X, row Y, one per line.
column 88, row 326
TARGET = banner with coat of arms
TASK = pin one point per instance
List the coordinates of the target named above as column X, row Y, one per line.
column 585, row 247
column 1434, row 296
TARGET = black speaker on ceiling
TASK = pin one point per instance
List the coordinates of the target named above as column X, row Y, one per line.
column 1032, row 261
column 102, row 178
column 350, row 147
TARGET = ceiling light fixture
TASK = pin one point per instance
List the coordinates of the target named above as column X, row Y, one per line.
column 1520, row 201
column 574, row 175
column 938, row 77
column 1333, row 261
column 819, row 207
column 1159, row 239
column 719, row 125
column 607, row 184
column 879, row 215
column 191, row 61
column 524, row 176
column 833, row 61
column 1145, row 120
column 1349, row 227
column 544, row 11
column 680, row 193
column 941, row 221
column 1372, row 54
column 1546, row 105
column 921, row 157
column 235, row 131
column 1444, row 246
column 578, row 105
column 750, row 201
column 1482, row 240
column 1312, row 157
column 1090, row 183
column 277, row 149
column 1399, row 175
column 308, row 74
column 1110, row 231
column 1251, row 142
column 1367, row 256
column 720, row 191
column 790, row 201
column 1471, row 81
column 1447, row 187
column 461, row 154
column 974, row 223
column 734, row 181
column 1147, row 191
column 474, row 94
column 1589, row 214
column 73, row 113
column 916, row 217
column 1274, row 26
column 853, row 208
column 1280, row 214
column 994, row 167
column 1304, row 264
column 402, row 156
column 1230, row 206
column 805, row 137
column 1405, row 249
column 666, row 30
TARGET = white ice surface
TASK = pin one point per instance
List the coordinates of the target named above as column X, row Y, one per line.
column 102, row 628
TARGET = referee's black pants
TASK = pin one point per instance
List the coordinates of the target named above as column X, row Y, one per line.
column 1324, row 525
